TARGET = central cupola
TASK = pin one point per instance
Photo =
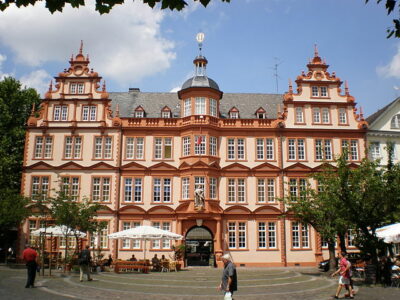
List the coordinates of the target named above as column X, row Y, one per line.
column 200, row 93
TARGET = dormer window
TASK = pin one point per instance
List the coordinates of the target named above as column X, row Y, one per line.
column 76, row 88
column 139, row 112
column 234, row 115
column 395, row 123
column 261, row 113
column 166, row 114
column 321, row 91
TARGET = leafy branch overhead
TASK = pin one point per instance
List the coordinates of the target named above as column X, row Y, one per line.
column 390, row 7
column 102, row 6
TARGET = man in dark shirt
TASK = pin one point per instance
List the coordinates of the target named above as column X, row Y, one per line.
column 84, row 259
column 30, row 257
column 229, row 277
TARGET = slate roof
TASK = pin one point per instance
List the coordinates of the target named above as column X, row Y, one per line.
column 153, row 103
column 372, row 118
column 200, row 81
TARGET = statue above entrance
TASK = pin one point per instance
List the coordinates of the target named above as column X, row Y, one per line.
column 198, row 199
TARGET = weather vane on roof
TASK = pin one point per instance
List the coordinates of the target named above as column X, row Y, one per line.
column 200, row 38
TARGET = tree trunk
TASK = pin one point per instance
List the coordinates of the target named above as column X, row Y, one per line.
column 342, row 242
column 332, row 256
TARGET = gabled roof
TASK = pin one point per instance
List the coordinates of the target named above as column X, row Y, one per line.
column 377, row 115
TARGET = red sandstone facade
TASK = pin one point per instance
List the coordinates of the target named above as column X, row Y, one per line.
column 143, row 155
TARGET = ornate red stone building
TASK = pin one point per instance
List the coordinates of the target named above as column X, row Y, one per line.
column 145, row 156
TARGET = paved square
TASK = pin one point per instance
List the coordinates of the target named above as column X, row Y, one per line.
column 196, row 283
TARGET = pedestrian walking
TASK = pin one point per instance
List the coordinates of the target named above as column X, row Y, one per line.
column 84, row 260
column 30, row 257
column 344, row 279
column 229, row 278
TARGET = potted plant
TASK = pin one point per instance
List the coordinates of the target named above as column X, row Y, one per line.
column 179, row 251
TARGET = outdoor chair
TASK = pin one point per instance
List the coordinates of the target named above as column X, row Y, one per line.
column 165, row 266
column 395, row 279
column 172, row 266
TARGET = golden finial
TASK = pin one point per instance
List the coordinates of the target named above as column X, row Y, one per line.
column 315, row 50
column 81, row 48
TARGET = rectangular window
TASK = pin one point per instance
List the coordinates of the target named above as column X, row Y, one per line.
column 43, row 147
column 200, row 106
column 262, row 235
column 314, row 91
column 265, row 149
column 40, row 187
column 297, row 188
column 323, row 149
column 187, row 108
column 237, row 235
column 296, row 147
column 165, row 114
column 213, row 145
column 232, row 235
column 300, row 236
column 316, row 115
column 185, row 188
column 324, row 91
column 351, row 146
column 234, row 115
column 299, row 115
column 166, row 244
column 213, row 188
column 199, row 183
column 60, row 113
column 72, row 88
column 70, row 187
column 134, row 148
column 132, row 189
column 325, row 115
column 139, row 114
column 89, row 113
column 162, row 190
column 267, row 235
column 236, row 149
column 200, row 145
column 265, row 190
column 351, row 237
column 271, row 235
column 163, row 148
column 342, row 116
column 101, row 189
column 72, row 147
column 103, row 147
column 186, row 146
column 81, row 88
column 236, row 190
column 213, row 107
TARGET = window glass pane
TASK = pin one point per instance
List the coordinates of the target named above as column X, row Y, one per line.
column 242, row 234
column 96, row 189
column 158, row 148
column 240, row 149
column 301, row 151
column 187, row 108
column 108, row 147
column 271, row 190
column 271, row 235
column 98, row 148
column 93, row 110
column 324, row 91
column 64, row 113
column 292, row 149
column 325, row 115
column 231, row 190
column 261, row 190
column 241, row 190
column 185, row 188
column 139, row 148
column 128, row 190
column 167, row 190
column 200, row 106
column 270, row 149
column 57, row 113
column 232, row 235
column 38, row 147
column 213, row 188
column 213, row 107
column 299, row 115
column 106, row 190
column 129, row 148
column 314, row 91
column 156, row 190
column 138, row 190
column 342, row 116
column 85, row 113
column 295, row 235
column 186, row 146
column 262, row 235
column 167, row 148
column 260, row 149
column 316, row 115
column 318, row 149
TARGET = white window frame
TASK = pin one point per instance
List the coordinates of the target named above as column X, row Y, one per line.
column 200, row 106
column 187, row 107
column 299, row 115
column 213, row 108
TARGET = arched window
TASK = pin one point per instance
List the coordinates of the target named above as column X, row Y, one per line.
column 395, row 123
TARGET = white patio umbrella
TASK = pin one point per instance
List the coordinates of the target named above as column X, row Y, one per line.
column 145, row 233
column 58, row 231
column 389, row 233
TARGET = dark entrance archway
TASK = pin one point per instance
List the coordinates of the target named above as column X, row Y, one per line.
column 199, row 247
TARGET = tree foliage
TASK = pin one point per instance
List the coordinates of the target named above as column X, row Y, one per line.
column 362, row 199
column 390, row 6
column 15, row 107
column 102, row 6
column 12, row 209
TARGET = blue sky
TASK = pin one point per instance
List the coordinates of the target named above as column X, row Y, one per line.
column 135, row 46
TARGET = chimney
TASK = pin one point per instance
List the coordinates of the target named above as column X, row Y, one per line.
column 134, row 90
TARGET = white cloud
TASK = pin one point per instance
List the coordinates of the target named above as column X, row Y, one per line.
column 3, row 58
column 125, row 45
column 38, row 79
column 392, row 69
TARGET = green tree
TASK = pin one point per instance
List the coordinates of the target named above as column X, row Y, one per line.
column 15, row 107
column 102, row 6
column 12, row 210
column 319, row 207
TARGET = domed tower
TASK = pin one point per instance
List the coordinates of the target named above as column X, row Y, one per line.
column 200, row 94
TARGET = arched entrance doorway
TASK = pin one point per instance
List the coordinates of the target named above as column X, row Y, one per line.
column 199, row 247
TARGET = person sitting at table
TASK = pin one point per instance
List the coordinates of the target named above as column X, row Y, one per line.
column 108, row 261
column 133, row 258
column 163, row 258
column 156, row 263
